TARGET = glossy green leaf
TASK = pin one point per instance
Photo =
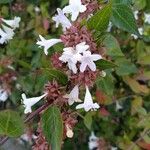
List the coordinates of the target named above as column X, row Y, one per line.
column 104, row 64
column 11, row 124
column 123, row 18
column 100, row 20
column 52, row 126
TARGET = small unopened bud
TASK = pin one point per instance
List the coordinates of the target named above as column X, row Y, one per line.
column 69, row 132
column 103, row 73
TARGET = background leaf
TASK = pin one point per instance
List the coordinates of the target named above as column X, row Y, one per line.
column 123, row 18
column 11, row 124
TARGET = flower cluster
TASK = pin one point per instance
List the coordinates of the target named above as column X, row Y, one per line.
column 7, row 29
column 78, row 58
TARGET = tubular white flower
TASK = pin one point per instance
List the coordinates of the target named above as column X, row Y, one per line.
column 74, row 8
column 73, row 96
column 93, row 141
column 29, row 102
column 61, row 19
column 140, row 31
column 147, row 18
column 118, row 106
column 88, row 59
column 3, row 37
column 73, row 55
column 136, row 14
column 3, row 95
column 88, row 102
column 10, row 32
column 12, row 23
column 47, row 43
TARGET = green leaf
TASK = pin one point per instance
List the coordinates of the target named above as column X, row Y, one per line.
column 106, row 85
column 125, row 67
column 5, row 1
column 88, row 120
column 123, row 1
column 100, row 20
column 11, row 124
column 57, row 75
column 53, row 127
column 104, row 64
column 112, row 45
column 139, row 4
column 123, row 18
column 144, row 60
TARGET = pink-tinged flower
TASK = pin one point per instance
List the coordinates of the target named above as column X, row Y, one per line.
column 74, row 8
column 73, row 96
column 47, row 43
column 3, row 95
column 88, row 102
column 73, row 55
column 88, row 59
column 29, row 102
column 147, row 18
column 61, row 19
column 12, row 23
column 69, row 131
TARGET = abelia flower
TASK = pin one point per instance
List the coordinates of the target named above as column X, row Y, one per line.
column 88, row 102
column 88, row 59
column 47, row 43
column 136, row 14
column 73, row 96
column 73, row 55
column 29, row 102
column 13, row 23
column 118, row 106
column 147, row 18
column 61, row 19
column 93, row 141
column 3, row 95
column 74, row 8
column 3, row 37
column 140, row 31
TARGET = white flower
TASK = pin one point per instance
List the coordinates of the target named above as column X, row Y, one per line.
column 88, row 102
column 136, row 14
column 93, row 141
column 47, row 43
column 109, row 27
column 3, row 95
column 73, row 55
column 118, row 106
column 87, row 60
column 74, row 8
column 3, row 37
column 114, row 148
column 140, row 31
column 29, row 102
column 61, row 19
column 12, row 23
column 73, row 96
column 37, row 9
column 147, row 18
column 10, row 32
